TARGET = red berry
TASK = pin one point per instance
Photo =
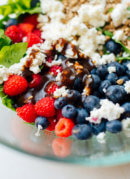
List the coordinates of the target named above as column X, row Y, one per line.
column 15, row 85
column 32, row 39
column 51, row 88
column 64, row 127
column 55, row 70
column 32, row 19
column 26, row 27
column 45, row 107
column 52, row 125
column 37, row 32
column 59, row 114
column 14, row 33
column 36, row 82
column 49, row 59
column 27, row 113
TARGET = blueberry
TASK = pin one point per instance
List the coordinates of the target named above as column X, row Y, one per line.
column 102, row 71
column 91, row 102
column 124, row 78
column 34, row 3
column 125, row 64
column 96, row 93
column 112, row 77
column 113, row 47
column 128, row 73
column 96, row 81
column 82, row 131
column 93, row 71
column 60, row 103
column 78, row 85
column 81, row 115
column 120, row 69
column 115, row 93
column 126, row 107
column 103, row 86
column 42, row 121
column 73, row 96
column 97, row 128
column 114, row 126
column 69, row 111
column 61, row 57
column 11, row 22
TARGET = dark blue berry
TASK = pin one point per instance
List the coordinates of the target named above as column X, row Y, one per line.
column 73, row 96
column 78, row 85
column 114, row 126
column 91, row 102
column 34, row 3
column 11, row 22
column 112, row 77
column 102, row 71
column 125, row 64
column 115, row 93
column 97, row 128
column 103, row 86
column 128, row 73
column 81, row 115
column 126, row 107
column 96, row 81
column 93, row 71
column 61, row 57
column 120, row 69
column 60, row 102
column 42, row 121
column 82, row 131
column 69, row 111
column 113, row 47
column 97, row 93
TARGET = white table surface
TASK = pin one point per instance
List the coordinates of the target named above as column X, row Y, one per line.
column 14, row 165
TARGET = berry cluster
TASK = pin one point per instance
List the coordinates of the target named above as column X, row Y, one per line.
column 27, row 29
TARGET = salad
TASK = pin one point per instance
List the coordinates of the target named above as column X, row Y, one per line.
column 64, row 65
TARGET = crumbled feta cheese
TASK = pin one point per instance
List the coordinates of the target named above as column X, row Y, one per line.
column 119, row 35
column 127, row 87
column 3, row 74
column 58, row 78
column 100, row 137
column 120, row 14
column 111, row 69
column 16, row 69
column 70, row 54
column 61, row 92
column 126, row 123
column 108, row 110
column 105, row 59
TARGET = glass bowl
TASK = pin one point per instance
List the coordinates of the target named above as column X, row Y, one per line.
column 18, row 135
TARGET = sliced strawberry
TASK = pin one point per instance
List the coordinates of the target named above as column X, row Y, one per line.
column 32, row 39
column 26, row 27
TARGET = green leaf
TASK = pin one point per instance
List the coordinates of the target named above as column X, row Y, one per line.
column 124, row 47
column 4, row 40
column 32, row 124
column 111, row 9
column 108, row 33
column 12, row 54
column 6, row 100
column 122, row 58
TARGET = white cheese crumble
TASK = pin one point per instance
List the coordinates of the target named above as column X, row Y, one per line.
column 108, row 110
column 119, row 35
column 111, row 69
column 3, row 74
column 120, row 14
column 126, row 124
column 61, row 92
column 101, row 137
column 127, row 87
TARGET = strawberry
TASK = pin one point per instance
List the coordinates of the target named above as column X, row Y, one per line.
column 27, row 113
column 37, row 32
column 15, row 85
column 26, row 27
column 53, row 123
column 32, row 39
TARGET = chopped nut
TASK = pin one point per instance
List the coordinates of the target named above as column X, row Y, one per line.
column 120, row 82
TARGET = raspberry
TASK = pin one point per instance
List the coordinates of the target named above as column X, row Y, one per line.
column 15, row 85
column 51, row 88
column 27, row 113
column 59, row 114
column 32, row 39
column 26, row 27
column 36, row 82
column 53, row 123
column 32, row 19
column 62, row 147
column 55, row 70
column 45, row 107
column 14, row 33
column 64, row 127
column 37, row 32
